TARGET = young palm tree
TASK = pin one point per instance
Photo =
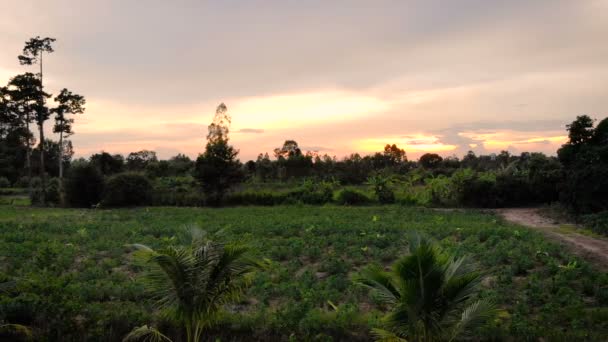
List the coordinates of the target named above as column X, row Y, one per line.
column 194, row 282
column 430, row 295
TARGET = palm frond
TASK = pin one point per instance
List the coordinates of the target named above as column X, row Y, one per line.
column 380, row 282
column 473, row 316
column 381, row 335
column 145, row 333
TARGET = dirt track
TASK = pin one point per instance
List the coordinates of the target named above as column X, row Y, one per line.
column 592, row 249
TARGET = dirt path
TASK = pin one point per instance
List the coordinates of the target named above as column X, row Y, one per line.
column 592, row 249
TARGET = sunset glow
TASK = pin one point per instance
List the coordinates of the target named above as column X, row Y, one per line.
column 427, row 77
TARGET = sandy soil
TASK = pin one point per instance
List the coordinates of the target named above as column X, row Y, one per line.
column 592, row 249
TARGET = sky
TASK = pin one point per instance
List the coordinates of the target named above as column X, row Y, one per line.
column 336, row 76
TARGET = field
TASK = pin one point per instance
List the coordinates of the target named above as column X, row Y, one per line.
column 75, row 275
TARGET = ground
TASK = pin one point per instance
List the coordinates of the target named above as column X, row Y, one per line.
column 591, row 248
column 75, row 265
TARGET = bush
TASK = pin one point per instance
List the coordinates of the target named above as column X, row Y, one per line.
column 53, row 191
column 22, row 182
column 83, row 186
column 351, row 197
column 312, row 193
column 127, row 189
column 255, row 198
column 4, row 182
column 597, row 222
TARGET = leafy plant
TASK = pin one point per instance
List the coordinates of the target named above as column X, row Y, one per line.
column 195, row 281
column 430, row 294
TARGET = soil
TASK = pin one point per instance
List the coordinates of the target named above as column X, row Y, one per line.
column 592, row 249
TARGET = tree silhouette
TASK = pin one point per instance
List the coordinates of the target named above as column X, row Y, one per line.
column 217, row 169
column 32, row 54
column 68, row 103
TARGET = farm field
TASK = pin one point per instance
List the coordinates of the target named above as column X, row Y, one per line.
column 73, row 271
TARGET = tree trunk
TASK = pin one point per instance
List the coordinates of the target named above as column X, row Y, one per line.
column 42, row 173
column 28, row 153
column 61, row 155
column 41, row 145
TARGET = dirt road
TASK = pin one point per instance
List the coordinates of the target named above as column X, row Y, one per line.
column 590, row 248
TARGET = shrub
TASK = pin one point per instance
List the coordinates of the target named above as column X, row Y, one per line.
column 351, row 197
column 255, row 198
column 4, row 182
column 22, row 182
column 83, row 186
column 127, row 189
column 53, row 191
column 597, row 222
column 312, row 193
column 384, row 193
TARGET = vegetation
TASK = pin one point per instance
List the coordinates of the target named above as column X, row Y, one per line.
column 75, row 279
column 430, row 295
column 193, row 283
column 127, row 189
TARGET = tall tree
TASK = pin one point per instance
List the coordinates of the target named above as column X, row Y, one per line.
column 32, row 54
column 218, row 168
column 24, row 92
column 68, row 103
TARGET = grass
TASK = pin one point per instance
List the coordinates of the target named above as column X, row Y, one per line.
column 76, row 278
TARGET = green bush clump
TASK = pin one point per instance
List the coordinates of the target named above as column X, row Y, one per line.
column 255, row 198
column 4, row 182
column 83, row 186
column 351, row 197
column 52, row 194
column 597, row 222
column 127, row 189
column 311, row 192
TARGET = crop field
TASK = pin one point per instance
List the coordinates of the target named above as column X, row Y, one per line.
column 73, row 273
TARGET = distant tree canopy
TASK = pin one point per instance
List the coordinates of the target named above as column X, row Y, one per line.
column 430, row 160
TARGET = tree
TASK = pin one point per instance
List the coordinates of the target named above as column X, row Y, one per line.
column 580, row 130
column 193, row 282
column 137, row 161
column 32, row 54
column 24, row 92
column 585, row 159
column 108, row 164
column 430, row 294
column 394, row 154
column 68, row 103
column 289, row 149
column 430, row 160
column 218, row 169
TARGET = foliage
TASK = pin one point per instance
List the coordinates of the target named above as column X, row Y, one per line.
column 4, row 182
column 430, row 295
column 84, row 186
column 384, row 193
column 218, row 169
column 351, row 197
column 127, row 189
column 597, row 222
column 585, row 161
column 74, row 282
column 196, row 281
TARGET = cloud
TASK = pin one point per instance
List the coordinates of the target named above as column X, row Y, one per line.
column 419, row 74
column 250, row 130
